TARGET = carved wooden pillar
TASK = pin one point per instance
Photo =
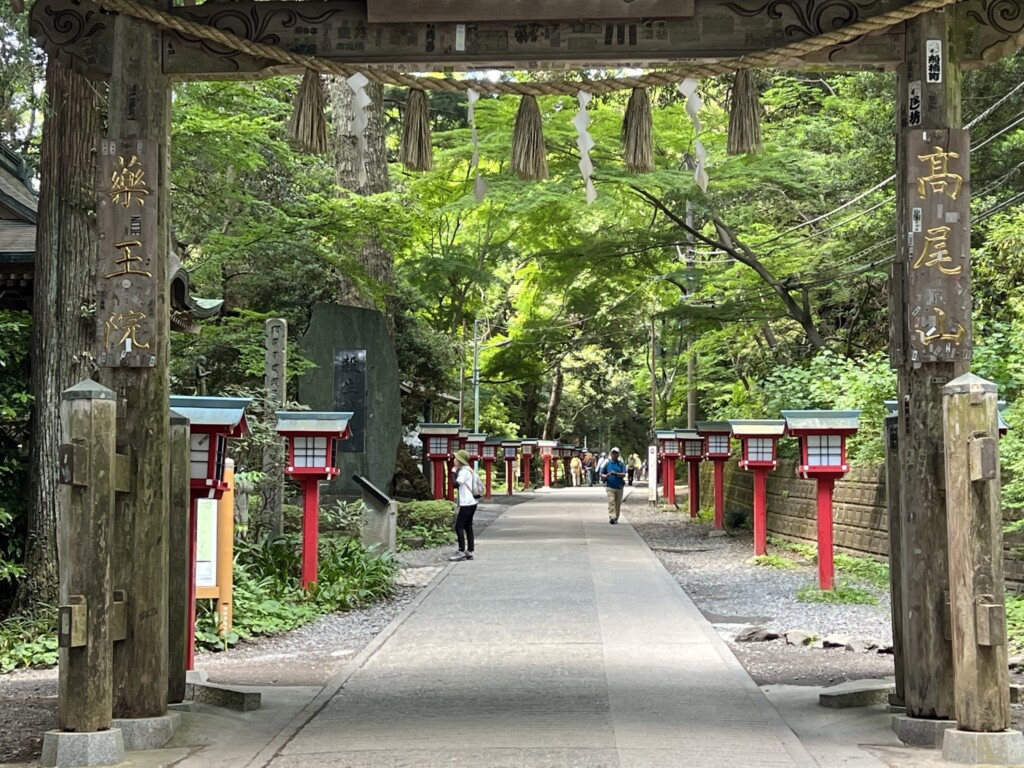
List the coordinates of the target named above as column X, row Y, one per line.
column 931, row 338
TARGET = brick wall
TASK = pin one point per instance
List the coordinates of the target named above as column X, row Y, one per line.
column 859, row 514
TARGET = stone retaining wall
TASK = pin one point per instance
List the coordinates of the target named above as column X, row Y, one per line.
column 860, row 518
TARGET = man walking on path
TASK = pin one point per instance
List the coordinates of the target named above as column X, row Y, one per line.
column 614, row 475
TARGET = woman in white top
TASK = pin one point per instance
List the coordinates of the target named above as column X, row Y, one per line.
column 466, row 507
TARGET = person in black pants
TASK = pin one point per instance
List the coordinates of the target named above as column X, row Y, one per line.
column 465, row 507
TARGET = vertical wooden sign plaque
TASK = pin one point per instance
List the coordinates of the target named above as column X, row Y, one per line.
column 126, row 294
column 938, row 267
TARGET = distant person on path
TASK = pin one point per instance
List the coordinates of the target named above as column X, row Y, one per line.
column 576, row 469
column 614, row 475
column 465, row 506
column 632, row 467
column 600, row 466
column 590, row 465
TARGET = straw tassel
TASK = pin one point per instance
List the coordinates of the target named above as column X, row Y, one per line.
column 744, row 115
column 307, row 129
column 529, row 155
column 637, row 130
column 416, row 152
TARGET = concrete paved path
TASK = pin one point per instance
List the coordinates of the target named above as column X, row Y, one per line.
column 564, row 643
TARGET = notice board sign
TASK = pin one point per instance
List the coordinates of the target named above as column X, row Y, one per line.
column 127, row 326
column 938, row 262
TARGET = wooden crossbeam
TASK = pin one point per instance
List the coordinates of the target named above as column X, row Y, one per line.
column 339, row 30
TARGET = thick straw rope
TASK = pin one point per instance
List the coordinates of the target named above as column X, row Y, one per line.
column 772, row 57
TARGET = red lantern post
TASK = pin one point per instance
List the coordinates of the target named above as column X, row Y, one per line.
column 822, row 436
column 436, row 439
column 692, row 448
column 716, row 439
column 312, row 456
column 510, row 448
column 760, row 438
column 528, row 449
column 489, row 452
column 668, row 450
column 212, row 420
column 547, row 451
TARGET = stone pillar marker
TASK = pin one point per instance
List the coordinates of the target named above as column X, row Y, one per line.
column 977, row 589
column 275, row 382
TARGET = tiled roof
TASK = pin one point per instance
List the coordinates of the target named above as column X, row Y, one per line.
column 16, row 196
column 17, row 237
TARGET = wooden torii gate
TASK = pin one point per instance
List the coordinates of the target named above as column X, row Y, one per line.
column 930, row 288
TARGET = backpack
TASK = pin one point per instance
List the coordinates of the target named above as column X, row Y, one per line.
column 476, row 486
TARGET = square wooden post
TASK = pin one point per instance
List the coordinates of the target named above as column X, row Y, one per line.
column 178, row 566
column 87, row 476
column 976, row 585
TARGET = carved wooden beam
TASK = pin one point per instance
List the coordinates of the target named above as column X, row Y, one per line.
column 80, row 33
column 464, row 11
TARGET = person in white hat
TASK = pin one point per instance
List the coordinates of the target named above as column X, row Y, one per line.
column 614, row 476
column 466, row 506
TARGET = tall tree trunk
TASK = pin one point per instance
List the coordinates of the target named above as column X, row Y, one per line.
column 377, row 262
column 62, row 329
column 551, row 421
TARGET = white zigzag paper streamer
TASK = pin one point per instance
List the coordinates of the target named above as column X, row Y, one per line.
column 360, row 102
column 479, row 183
column 585, row 143
column 694, row 102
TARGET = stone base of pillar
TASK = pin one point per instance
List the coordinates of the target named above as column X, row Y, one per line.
column 65, row 749
column 147, row 732
column 921, row 731
column 970, row 748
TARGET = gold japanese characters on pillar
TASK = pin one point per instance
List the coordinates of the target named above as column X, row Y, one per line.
column 938, row 240
column 126, row 294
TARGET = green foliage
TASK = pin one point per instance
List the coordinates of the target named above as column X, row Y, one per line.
column 842, row 593
column 775, row 561
column 15, row 405
column 268, row 595
column 863, row 569
column 1015, row 622
column 807, row 551
column 429, row 520
column 29, row 640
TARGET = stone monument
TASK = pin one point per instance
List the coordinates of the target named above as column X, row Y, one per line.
column 356, row 370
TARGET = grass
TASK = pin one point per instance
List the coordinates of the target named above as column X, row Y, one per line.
column 775, row 561
column 863, row 569
column 845, row 594
column 1015, row 623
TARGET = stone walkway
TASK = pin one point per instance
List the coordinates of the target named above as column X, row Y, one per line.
column 564, row 643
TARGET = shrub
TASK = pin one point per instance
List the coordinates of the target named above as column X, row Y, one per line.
column 428, row 520
column 775, row 561
column 29, row 640
column 738, row 518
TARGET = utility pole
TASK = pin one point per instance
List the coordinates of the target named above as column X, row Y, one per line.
column 691, row 362
column 654, row 377
column 476, row 377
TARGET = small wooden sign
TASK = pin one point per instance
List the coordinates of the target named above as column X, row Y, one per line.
column 127, row 329
column 938, row 231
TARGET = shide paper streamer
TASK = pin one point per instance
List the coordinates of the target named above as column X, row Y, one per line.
column 694, row 102
column 479, row 183
column 360, row 102
column 585, row 143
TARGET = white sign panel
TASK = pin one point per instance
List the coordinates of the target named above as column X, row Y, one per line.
column 206, row 543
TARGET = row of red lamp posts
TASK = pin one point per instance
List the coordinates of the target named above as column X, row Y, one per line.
column 440, row 441
column 312, row 456
column 822, row 436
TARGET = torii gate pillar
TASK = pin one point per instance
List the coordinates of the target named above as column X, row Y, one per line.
column 930, row 340
column 139, row 110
